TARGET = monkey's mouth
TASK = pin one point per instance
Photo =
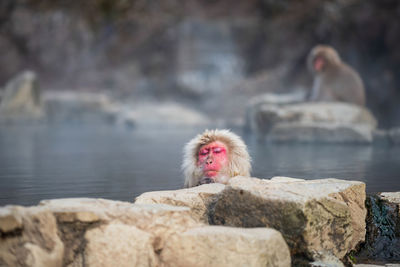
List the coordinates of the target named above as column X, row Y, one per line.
column 206, row 180
column 211, row 173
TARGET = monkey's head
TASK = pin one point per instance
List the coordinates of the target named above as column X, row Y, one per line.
column 322, row 58
column 214, row 156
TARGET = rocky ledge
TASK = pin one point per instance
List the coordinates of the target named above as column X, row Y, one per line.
column 248, row 222
column 99, row 232
column 319, row 219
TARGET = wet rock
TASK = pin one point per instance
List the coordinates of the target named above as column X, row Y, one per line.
column 21, row 100
column 325, row 215
column 236, row 247
column 198, row 199
column 383, row 229
column 312, row 122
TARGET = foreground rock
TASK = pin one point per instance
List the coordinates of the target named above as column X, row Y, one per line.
column 98, row 232
column 198, row 198
column 311, row 122
column 248, row 247
column 301, row 210
column 21, row 100
column 383, row 229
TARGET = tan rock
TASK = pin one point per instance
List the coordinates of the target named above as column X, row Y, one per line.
column 226, row 246
column 119, row 244
column 36, row 244
column 196, row 198
column 9, row 220
column 157, row 219
column 316, row 215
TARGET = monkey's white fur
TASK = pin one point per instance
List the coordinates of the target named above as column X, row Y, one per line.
column 239, row 159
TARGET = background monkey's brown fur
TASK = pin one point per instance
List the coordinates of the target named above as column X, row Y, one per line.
column 336, row 81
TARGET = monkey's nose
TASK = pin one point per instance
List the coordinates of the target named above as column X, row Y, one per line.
column 209, row 161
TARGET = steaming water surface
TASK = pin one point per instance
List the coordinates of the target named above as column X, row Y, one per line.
column 57, row 162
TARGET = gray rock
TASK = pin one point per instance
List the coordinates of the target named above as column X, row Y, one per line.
column 312, row 122
column 21, row 100
column 166, row 114
column 80, row 107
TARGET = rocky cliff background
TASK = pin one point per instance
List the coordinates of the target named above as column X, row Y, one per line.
column 211, row 55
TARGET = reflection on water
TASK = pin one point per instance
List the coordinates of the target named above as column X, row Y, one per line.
column 40, row 163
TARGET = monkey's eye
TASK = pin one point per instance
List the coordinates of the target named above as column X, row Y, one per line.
column 204, row 152
column 217, row 150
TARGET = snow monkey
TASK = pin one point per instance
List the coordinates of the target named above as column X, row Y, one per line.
column 334, row 80
column 213, row 157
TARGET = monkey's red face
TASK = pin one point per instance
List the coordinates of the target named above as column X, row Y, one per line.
column 318, row 63
column 213, row 158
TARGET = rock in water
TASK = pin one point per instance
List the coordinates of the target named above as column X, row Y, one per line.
column 312, row 122
column 21, row 100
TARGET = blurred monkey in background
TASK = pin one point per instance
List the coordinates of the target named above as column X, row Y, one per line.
column 334, row 80
column 214, row 157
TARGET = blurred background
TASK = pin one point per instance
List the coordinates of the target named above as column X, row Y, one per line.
column 179, row 66
column 200, row 53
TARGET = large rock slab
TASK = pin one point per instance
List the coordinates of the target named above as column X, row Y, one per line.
column 198, row 199
column 312, row 122
column 98, row 232
column 21, row 100
column 239, row 247
column 86, row 232
column 326, row 215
